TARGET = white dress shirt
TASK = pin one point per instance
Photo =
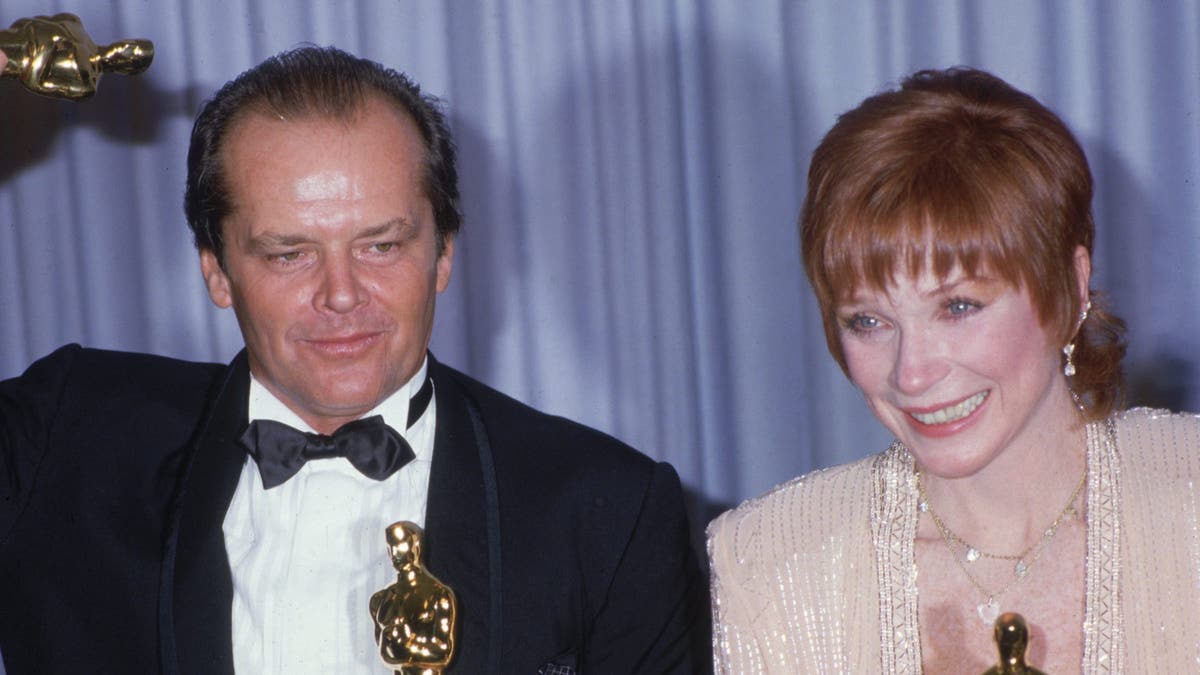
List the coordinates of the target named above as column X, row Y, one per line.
column 307, row 555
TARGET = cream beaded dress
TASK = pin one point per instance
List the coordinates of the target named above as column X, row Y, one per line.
column 819, row 576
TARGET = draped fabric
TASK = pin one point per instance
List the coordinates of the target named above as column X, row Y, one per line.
column 632, row 172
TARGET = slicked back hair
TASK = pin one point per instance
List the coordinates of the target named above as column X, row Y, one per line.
column 321, row 83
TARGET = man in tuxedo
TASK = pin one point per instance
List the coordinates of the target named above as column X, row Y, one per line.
column 158, row 515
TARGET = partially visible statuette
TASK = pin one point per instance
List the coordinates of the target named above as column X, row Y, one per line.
column 414, row 617
column 54, row 56
column 1012, row 637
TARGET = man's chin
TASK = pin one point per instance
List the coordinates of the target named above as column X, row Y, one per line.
column 349, row 391
column 332, row 399
column 345, row 404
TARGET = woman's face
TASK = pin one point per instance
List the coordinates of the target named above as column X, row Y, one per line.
column 960, row 369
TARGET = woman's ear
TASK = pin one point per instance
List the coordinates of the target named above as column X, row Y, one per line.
column 1083, row 275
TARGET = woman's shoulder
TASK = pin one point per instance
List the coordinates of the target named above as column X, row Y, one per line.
column 1157, row 462
column 808, row 506
column 793, row 570
column 1158, row 440
column 1160, row 417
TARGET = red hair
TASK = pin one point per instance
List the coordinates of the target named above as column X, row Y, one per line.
column 958, row 168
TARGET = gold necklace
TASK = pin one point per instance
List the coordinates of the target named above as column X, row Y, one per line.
column 989, row 609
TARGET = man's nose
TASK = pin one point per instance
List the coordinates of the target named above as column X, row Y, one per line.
column 341, row 288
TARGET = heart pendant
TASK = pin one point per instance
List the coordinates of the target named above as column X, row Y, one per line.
column 988, row 611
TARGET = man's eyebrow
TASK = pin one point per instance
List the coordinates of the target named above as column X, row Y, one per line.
column 384, row 228
column 270, row 240
column 265, row 241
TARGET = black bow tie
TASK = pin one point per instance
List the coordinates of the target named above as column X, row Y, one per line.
column 374, row 448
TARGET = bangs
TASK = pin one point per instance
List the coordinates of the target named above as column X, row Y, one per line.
column 938, row 219
column 956, row 170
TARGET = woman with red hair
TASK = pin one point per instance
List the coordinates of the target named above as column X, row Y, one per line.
column 947, row 234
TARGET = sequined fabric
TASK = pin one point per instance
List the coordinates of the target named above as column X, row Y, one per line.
column 1159, row 537
column 819, row 575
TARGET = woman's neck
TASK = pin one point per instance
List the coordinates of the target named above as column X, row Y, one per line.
column 1011, row 501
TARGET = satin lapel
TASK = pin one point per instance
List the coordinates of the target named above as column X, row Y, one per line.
column 198, row 584
column 457, row 524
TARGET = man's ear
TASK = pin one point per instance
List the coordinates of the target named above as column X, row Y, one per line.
column 444, row 264
column 219, row 290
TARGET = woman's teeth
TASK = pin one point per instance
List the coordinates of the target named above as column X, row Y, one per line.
column 952, row 413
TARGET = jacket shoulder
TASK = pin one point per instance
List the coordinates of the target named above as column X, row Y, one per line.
column 73, row 379
column 167, row 368
column 73, row 360
column 144, row 384
column 133, row 413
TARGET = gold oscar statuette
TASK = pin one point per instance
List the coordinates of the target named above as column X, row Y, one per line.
column 1012, row 637
column 414, row 617
column 54, row 56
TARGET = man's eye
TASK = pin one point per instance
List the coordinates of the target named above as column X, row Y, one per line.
column 290, row 256
column 383, row 247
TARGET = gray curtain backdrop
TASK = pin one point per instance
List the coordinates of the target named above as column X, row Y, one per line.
column 632, row 174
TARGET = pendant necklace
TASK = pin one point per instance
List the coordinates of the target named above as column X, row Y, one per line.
column 989, row 609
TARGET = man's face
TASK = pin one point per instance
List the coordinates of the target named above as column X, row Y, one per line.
column 331, row 258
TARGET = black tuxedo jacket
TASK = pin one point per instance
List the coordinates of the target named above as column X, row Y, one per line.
column 563, row 545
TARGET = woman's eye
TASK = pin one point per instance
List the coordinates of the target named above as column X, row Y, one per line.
column 862, row 323
column 959, row 307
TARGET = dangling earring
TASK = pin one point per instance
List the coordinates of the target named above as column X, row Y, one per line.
column 1069, row 349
